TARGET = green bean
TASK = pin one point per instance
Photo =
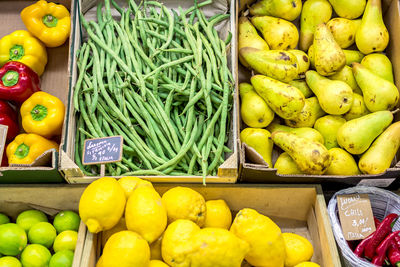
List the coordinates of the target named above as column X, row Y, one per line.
column 80, row 76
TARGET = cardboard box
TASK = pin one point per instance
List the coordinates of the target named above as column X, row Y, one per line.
column 250, row 171
column 49, row 199
column 299, row 209
column 54, row 80
column 228, row 172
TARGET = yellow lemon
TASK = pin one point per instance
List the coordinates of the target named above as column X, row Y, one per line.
column 216, row 247
column 175, row 246
column 307, row 264
column 298, row 249
column 145, row 213
column 157, row 263
column 264, row 237
column 129, row 184
column 155, row 249
column 218, row 214
column 102, row 204
column 185, row 203
column 126, row 249
column 121, row 226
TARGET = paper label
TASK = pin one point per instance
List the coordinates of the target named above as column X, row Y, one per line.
column 3, row 138
column 102, row 150
column 356, row 216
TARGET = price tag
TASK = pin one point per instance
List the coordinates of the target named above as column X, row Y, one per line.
column 356, row 216
column 3, row 138
column 102, row 150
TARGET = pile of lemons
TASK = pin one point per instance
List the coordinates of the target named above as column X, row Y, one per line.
column 142, row 229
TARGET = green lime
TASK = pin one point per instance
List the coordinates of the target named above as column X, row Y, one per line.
column 42, row 233
column 66, row 220
column 4, row 219
column 9, row 262
column 12, row 239
column 29, row 218
column 65, row 240
column 35, row 256
column 63, row 258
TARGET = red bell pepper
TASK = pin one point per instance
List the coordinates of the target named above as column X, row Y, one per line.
column 380, row 234
column 9, row 117
column 17, row 82
column 383, row 247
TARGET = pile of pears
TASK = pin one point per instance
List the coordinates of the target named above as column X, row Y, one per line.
column 324, row 94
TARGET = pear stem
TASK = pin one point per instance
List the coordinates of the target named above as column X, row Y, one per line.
column 395, row 111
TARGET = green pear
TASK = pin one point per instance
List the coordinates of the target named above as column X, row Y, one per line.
column 285, row 165
column 344, row 30
column 303, row 63
column 287, row 101
column 303, row 87
column 248, row 37
column 379, row 94
column 357, row 135
column 328, row 56
column 334, row 97
column 380, row 65
column 304, row 132
column 260, row 141
column 352, row 56
column 308, row 115
column 314, row 13
column 346, row 75
column 277, row 64
column 253, row 109
column 342, row 163
column 372, row 35
column 358, row 109
column 311, row 157
column 280, row 34
column 328, row 127
column 382, row 152
column 285, row 9
column 349, row 9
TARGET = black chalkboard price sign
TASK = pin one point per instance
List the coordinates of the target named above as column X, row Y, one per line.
column 102, row 150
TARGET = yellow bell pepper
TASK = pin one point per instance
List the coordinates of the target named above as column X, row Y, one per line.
column 49, row 22
column 26, row 148
column 23, row 47
column 43, row 114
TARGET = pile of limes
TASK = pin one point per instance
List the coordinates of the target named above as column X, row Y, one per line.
column 33, row 241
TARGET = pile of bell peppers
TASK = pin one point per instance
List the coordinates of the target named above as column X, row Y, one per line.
column 382, row 247
column 23, row 58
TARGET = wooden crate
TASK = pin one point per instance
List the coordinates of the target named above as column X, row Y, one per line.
column 49, row 199
column 299, row 209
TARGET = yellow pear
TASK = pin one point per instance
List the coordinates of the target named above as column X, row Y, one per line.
column 303, row 63
column 352, row 56
column 303, row 87
column 260, row 141
column 342, row 163
column 304, row 132
column 328, row 127
column 372, row 35
column 380, row 65
column 358, row 109
column 381, row 153
column 248, row 37
column 280, row 34
column 311, row 157
column 314, row 13
column 346, row 75
column 254, row 110
column 308, row 115
column 277, row 64
column 285, row 9
column 350, row 9
column 328, row 56
column 287, row 101
column 344, row 30
column 285, row 165
column 311, row 56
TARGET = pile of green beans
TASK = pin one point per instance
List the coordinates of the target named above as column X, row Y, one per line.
column 160, row 79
